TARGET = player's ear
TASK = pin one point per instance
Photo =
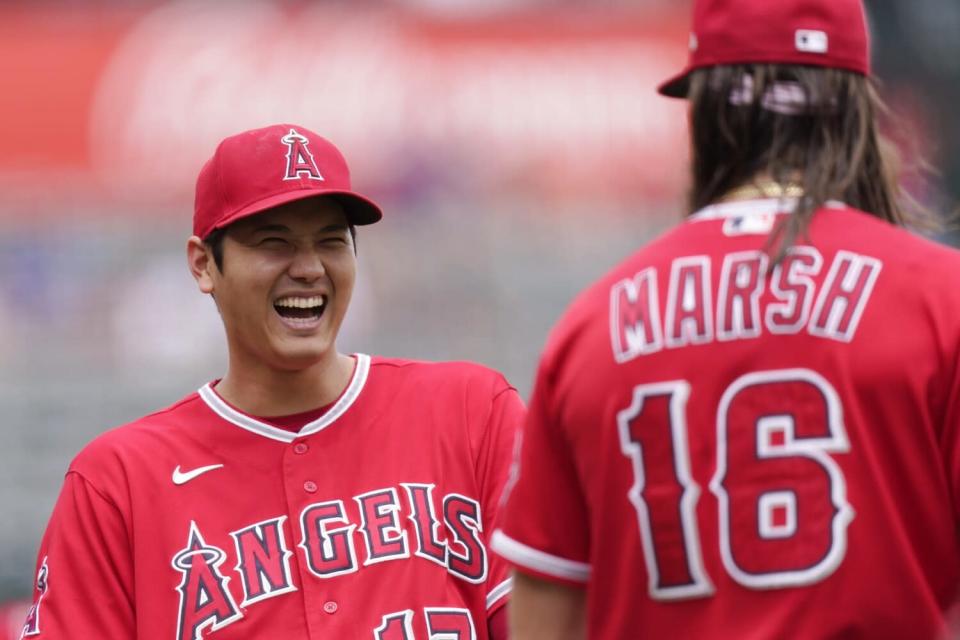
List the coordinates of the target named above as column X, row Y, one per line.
column 201, row 263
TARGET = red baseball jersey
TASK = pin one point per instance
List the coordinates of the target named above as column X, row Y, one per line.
column 723, row 447
column 370, row 522
column 11, row 619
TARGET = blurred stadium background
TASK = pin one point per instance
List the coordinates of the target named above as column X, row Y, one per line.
column 518, row 148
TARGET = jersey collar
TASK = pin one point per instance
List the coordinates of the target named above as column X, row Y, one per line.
column 759, row 207
column 349, row 396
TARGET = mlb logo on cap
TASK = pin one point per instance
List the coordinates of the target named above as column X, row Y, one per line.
column 823, row 33
column 264, row 168
column 812, row 41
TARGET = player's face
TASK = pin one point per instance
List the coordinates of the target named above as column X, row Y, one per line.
column 288, row 274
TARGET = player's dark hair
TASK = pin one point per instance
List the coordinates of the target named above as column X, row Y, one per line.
column 832, row 148
column 215, row 241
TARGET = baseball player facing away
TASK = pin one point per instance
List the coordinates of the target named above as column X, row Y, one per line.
column 749, row 428
column 308, row 494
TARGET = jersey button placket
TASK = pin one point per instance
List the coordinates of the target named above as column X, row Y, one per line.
column 302, row 460
column 301, row 448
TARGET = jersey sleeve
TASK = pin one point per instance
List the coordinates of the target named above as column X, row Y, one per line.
column 84, row 586
column 498, row 626
column 950, row 438
column 545, row 530
column 506, row 416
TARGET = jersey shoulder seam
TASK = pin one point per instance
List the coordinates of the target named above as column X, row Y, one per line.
column 83, row 478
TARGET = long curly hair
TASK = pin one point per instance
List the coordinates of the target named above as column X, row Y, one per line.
column 826, row 141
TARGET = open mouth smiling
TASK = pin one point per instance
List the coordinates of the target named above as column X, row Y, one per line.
column 301, row 311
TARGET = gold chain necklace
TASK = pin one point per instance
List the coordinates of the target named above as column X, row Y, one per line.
column 757, row 190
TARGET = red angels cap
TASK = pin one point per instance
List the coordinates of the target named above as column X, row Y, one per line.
column 263, row 168
column 824, row 33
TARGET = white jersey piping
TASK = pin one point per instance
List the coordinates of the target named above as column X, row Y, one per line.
column 350, row 395
column 551, row 565
column 499, row 592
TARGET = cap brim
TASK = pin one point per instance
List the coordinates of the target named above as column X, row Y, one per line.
column 676, row 87
column 359, row 210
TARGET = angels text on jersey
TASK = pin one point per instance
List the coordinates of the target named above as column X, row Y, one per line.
column 697, row 313
column 394, row 524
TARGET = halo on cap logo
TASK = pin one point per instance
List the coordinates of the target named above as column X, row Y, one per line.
column 300, row 162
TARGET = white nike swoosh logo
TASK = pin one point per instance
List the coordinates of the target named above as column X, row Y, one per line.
column 181, row 477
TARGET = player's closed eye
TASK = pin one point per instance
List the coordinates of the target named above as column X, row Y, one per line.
column 273, row 242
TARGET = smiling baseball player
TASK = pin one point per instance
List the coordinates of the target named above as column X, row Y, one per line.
column 308, row 493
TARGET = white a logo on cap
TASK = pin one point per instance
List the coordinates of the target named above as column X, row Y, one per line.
column 812, row 41
column 300, row 161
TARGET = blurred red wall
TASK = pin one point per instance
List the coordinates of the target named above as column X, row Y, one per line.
column 123, row 104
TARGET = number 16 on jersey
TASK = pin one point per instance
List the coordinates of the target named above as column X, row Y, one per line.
column 783, row 511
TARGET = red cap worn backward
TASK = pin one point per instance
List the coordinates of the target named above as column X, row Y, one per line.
column 264, row 168
column 823, row 33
